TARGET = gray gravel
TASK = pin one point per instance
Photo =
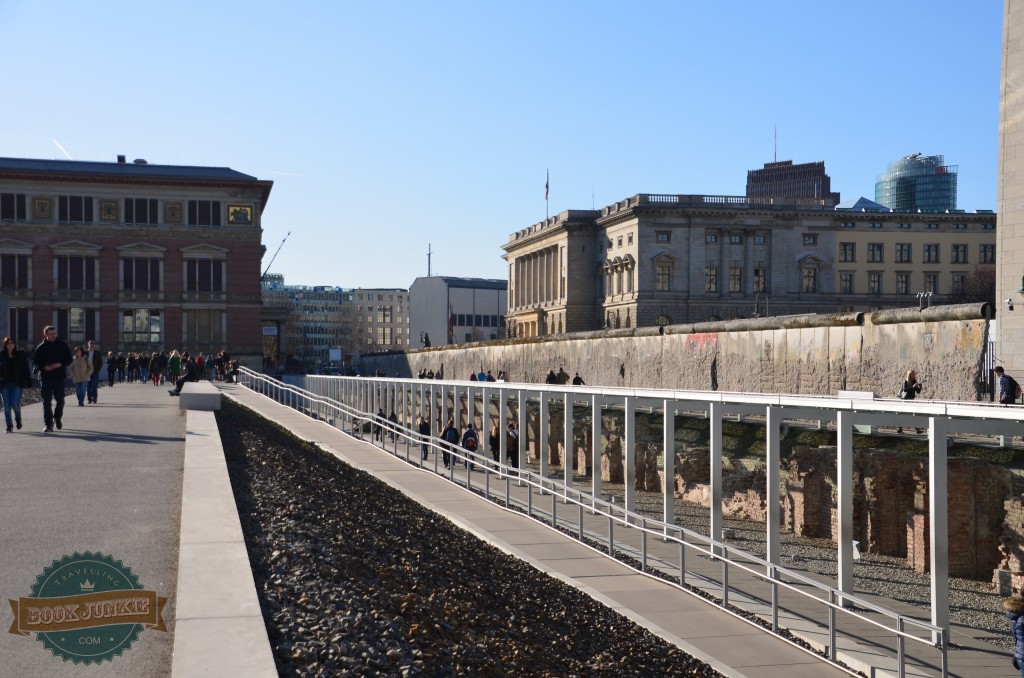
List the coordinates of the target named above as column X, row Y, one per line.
column 356, row 579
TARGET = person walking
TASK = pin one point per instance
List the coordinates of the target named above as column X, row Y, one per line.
column 393, row 429
column 378, row 426
column 470, row 442
column 52, row 358
column 578, row 380
column 174, row 365
column 156, row 370
column 512, row 444
column 450, row 435
column 909, row 390
column 494, row 442
column 81, row 371
column 1008, row 388
column 111, row 368
column 96, row 360
column 424, row 429
column 1014, row 610
column 15, row 377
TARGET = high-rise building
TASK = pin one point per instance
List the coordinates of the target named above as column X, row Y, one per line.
column 783, row 179
column 918, row 182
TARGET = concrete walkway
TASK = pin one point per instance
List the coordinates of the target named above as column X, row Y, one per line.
column 110, row 481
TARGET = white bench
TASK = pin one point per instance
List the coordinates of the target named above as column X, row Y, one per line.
column 199, row 395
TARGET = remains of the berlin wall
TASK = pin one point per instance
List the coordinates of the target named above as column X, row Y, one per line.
column 807, row 354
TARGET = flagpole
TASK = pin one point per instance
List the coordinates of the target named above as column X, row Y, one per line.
column 547, row 186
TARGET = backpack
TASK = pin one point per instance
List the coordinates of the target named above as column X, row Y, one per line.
column 1016, row 388
column 471, row 442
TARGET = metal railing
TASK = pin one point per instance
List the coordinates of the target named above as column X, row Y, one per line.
column 348, row 404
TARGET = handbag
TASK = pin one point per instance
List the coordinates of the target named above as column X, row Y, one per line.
column 902, row 395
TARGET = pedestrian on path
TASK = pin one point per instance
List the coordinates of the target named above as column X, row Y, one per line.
column 1014, row 609
column 96, row 360
column 512, row 444
column 1009, row 389
column 81, row 371
column 52, row 358
column 450, row 435
column 15, row 377
column 424, row 429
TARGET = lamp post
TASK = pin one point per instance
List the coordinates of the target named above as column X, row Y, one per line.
column 757, row 297
column 924, row 300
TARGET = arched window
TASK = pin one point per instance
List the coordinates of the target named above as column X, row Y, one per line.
column 664, row 320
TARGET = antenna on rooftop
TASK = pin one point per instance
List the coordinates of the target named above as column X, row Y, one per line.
column 428, row 259
column 264, row 276
column 776, row 159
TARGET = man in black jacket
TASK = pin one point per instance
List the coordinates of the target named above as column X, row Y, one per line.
column 96, row 359
column 52, row 358
column 191, row 373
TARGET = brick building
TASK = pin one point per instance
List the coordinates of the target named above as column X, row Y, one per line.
column 138, row 257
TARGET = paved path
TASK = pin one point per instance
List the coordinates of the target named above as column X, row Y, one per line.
column 109, row 482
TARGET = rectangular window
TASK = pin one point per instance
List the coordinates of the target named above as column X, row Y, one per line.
column 629, row 241
column 204, row 275
column 141, row 274
column 76, row 325
column 987, row 254
column 735, row 239
column 959, row 254
column 848, row 252
column 76, row 273
column 931, row 283
column 874, row 283
column 931, row 253
column 810, row 240
column 141, row 326
column 384, row 336
column 876, row 253
column 932, row 227
column 735, row 279
column 14, row 271
column 710, row 238
column 846, row 283
column 876, row 225
column 904, row 252
column 810, row 280
column 12, row 207
column 760, row 239
column 959, row 283
column 204, row 326
column 960, row 227
column 710, row 278
column 204, row 213
column 847, row 224
column 760, row 280
column 663, row 236
column 74, row 209
column 902, row 283
column 19, row 328
column 141, row 211
column 618, row 242
column 661, row 277
column 904, row 226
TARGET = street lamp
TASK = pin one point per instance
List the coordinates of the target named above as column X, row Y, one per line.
column 757, row 297
column 924, row 300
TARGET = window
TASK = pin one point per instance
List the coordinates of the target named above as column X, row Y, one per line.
column 932, row 227
column 810, row 279
column 141, row 274
column 663, row 236
column 710, row 238
column 74, row 209
column 663, row 320
column 14, row 271
column 931, row 253
column 76, row 325
column 662, row 276
column 760, row 239
column 140, row 326
column 874, row 283
column 204, row 275
column 618, row 242
column 988, row 227
column 987, row 254
column 959, row 254
column 760, row 280
column 76, row 273
column 959, row 227
column 876, row 225
column 810, row 240
column 902, row 283
column 710, row 278
column 931, row 283
column 204, row 213
column 847, row 224
column 735, row 239
column 204, row 326
column 848, row 252
column 19, row 328
column 384, row 336
column 846, row 283
column 904, row 226
column 735, row 279
column 959, row 283
column 12, row 207
column 629, row 240
column 876, row 253
column 385, row 314
column 141, row 211
column 904, row 252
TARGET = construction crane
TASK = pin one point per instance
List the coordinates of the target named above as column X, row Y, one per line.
column 264, row 276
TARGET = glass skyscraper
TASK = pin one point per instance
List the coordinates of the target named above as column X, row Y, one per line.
column 917, row 182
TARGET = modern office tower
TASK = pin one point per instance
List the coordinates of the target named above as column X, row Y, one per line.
column 918, row 182
column 783, row 179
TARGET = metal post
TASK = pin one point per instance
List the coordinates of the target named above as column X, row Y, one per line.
column 772, row 492
column 715, row 416
column 523, row 431
column 502, row 426
column 542, row 445
column 630, row 453
column 938, row 532
column 568, row 443
column 595, row 438
column 668, row 465
column 844, row 501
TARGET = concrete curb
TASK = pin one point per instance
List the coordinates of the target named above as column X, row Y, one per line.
column 219, row 628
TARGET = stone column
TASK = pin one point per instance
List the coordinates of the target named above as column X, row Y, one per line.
column 1010, row 200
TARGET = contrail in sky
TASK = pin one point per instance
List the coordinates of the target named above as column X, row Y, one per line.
column 62, row 149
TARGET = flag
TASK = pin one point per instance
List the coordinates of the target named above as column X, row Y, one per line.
column 547, row 184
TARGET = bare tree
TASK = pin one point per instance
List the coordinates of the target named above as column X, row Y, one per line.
column 979, row 287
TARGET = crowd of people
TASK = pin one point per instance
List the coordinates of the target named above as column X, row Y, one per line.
column 53, row 363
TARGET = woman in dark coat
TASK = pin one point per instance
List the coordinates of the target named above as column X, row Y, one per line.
column 1014, row 608
column 15, row 376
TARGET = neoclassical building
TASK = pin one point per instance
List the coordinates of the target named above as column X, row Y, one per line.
column 138, row 257
column 669, row 259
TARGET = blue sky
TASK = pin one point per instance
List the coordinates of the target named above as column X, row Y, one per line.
column 390, row 126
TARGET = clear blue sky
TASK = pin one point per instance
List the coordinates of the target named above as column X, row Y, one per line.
column 388, row 126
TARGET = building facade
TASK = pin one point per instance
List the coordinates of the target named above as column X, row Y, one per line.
column 1010, row 199
column 783, row 179
column 917, row 182
column 668, row 259
column 138, row 257
column 449, row 310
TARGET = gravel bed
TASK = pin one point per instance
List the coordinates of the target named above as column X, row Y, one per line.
column 356, row 579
